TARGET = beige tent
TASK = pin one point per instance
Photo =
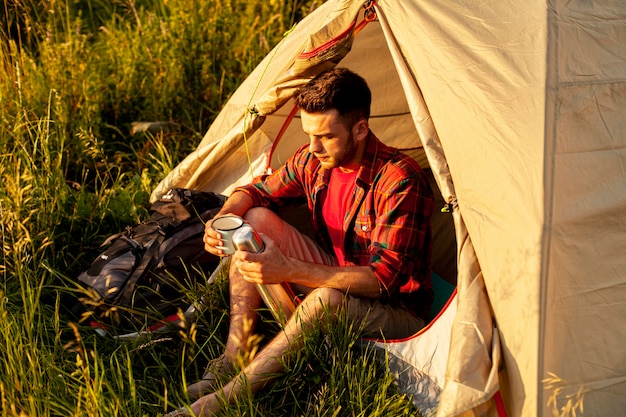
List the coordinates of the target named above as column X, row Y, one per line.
column 521, row 111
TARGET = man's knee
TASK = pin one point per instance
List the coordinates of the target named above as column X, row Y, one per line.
column 319, row 306
column 326, row 298
column 257, row 217
column 264, row 220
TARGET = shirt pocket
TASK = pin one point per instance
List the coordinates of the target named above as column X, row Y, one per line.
column 363, row 228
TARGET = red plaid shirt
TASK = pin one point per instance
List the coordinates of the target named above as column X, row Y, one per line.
column 389, row 215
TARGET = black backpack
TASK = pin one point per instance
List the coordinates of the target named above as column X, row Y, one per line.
column 135, row 285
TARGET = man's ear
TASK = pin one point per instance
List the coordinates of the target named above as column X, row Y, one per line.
column 361, row 129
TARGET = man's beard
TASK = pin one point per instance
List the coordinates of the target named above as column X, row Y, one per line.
column 346, row 155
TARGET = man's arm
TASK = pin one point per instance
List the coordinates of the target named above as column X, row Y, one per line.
column 272, row 267
column 238, row 204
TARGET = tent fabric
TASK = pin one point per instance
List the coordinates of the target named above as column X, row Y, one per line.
column 419, row 362
column 519, row 108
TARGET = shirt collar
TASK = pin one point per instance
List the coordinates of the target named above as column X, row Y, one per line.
column 368, row 163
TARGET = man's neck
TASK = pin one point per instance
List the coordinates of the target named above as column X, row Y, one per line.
column 356, row 161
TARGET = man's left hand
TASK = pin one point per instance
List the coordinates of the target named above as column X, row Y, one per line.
column 268, row 267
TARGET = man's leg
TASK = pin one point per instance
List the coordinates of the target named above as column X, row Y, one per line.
column 244, row 296
column 244, row 303
column 269, row 362
column 290, row 241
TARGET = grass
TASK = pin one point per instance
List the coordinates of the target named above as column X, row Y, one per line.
column 562, row 400
column 74, row 77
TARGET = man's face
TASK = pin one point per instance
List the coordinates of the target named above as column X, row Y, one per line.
column 332, row 143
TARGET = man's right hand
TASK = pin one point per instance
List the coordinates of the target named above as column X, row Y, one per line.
column 212, row 239
column 236, row 205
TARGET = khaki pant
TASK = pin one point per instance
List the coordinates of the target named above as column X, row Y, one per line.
column 377, row 319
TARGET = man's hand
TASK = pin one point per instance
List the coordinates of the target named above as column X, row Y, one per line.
column 268, row 267
column 213, row 240
column 236, row 205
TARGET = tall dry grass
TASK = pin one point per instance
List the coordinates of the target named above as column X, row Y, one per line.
column 74, row 77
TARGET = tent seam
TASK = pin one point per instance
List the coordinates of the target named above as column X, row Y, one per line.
column 552, row 86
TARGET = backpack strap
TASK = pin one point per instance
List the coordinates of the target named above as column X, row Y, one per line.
column 153, row 245
column 157, row 247
column 176, row 238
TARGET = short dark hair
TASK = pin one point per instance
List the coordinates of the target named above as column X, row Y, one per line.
column 339, row 89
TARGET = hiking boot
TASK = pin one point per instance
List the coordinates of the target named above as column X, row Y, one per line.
column 181, row 412
column 217, row 372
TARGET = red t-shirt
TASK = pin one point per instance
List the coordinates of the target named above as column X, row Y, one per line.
column 389, row 212
column 336, row 201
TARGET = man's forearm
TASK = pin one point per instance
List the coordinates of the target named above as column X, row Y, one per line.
column 358, row 281
column 238, row 204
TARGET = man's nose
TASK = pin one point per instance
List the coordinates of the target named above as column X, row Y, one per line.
column 315, row 145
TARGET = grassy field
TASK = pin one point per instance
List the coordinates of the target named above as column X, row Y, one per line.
column 75, row 75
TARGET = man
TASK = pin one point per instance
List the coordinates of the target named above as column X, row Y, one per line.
column 371, row 208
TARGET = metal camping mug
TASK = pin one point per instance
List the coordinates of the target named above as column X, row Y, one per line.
column 274, row 296
column 226, row 226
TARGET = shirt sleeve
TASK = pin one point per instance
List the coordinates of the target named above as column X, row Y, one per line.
column 282, row 188
column 400, row 241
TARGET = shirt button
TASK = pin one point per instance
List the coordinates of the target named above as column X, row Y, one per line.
column 364, row 228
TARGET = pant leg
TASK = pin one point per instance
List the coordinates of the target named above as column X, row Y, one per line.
column 378, row 319
column 383, row 320
column 290, row 241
